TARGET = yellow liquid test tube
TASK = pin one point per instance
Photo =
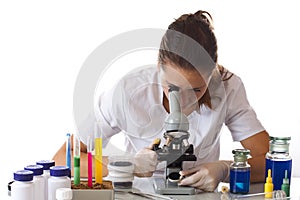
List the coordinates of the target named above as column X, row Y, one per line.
column 98, row 160
column 98, row 152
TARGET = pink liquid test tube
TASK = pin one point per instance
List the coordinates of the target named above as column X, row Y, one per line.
column 90, row 162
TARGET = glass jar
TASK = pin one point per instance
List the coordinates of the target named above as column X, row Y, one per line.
column 240, row 172
column 279, row 160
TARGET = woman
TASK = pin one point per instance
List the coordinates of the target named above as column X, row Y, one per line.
column 210, row 96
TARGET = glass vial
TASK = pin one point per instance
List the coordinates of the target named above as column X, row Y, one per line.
column 59, row 178
column 38, row 181
column 286, row 185
column 279, row 160
column 22, row 188
column 240, row 172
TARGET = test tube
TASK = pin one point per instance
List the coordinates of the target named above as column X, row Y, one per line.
column 98, row 153
column 90, row 161
column 76, row 150
column 68, row 151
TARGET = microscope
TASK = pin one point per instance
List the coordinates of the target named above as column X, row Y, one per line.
column 176, row 150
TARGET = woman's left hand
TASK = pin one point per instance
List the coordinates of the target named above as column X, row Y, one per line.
column 206, row 176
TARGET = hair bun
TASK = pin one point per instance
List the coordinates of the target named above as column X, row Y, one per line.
column 202, row 15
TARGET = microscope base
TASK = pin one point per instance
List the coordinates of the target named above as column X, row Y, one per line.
column 161, row 186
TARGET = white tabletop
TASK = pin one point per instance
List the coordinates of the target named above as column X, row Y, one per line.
column 145, row 185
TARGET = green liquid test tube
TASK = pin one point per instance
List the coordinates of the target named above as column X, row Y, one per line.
column 76, row 160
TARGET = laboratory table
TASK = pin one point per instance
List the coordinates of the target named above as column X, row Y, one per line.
column 145, row 185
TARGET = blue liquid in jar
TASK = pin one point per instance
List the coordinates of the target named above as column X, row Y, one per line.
column 239, row 180
column 278, row 168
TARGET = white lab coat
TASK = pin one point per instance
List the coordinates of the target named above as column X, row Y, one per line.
column 134, row 106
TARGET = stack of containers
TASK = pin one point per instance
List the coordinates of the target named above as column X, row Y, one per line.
column 32, row 182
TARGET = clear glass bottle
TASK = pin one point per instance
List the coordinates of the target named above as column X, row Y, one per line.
column 279, row 160
column 240, row 172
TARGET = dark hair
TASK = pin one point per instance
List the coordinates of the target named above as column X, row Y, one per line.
column 180, row 46
column 182, row 35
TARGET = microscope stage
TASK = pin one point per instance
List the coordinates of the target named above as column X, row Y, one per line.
column 161, row 186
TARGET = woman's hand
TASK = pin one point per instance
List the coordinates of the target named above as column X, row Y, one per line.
column 145, row 162
column 206, row 176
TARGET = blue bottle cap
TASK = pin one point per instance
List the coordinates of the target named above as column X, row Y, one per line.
column 36, row 169
column 23, row 175
column 59, row 171
column 46, row 163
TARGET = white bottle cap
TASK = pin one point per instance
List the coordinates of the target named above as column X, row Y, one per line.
column 64, row 194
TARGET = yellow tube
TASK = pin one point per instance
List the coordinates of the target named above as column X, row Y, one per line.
column 98, row 160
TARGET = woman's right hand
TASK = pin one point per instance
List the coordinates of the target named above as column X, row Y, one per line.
column 145, row 162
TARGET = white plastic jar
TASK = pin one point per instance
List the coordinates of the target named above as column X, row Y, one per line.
column 46, row 172
column 59, row 178
column 121, row 171
column 38, row 181
column 22, row 188
column 64, row 194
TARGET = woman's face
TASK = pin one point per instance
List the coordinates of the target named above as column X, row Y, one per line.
column 190, row 83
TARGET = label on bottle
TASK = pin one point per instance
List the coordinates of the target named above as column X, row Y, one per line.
column 278, row 168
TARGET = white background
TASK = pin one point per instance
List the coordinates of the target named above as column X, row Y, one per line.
column 43, row 45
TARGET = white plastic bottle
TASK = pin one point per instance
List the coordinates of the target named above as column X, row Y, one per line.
column 64, row 194
column 38, row 181
column 46, row 172
column 59, row 178
column 22, row 188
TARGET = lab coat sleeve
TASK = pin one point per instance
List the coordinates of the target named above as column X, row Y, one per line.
column 109, row 113
column 104, row 114
column 240, row 119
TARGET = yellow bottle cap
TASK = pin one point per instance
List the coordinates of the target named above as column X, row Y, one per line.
column 269, row 178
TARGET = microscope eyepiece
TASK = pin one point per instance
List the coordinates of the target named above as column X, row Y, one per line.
column 173, row 88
